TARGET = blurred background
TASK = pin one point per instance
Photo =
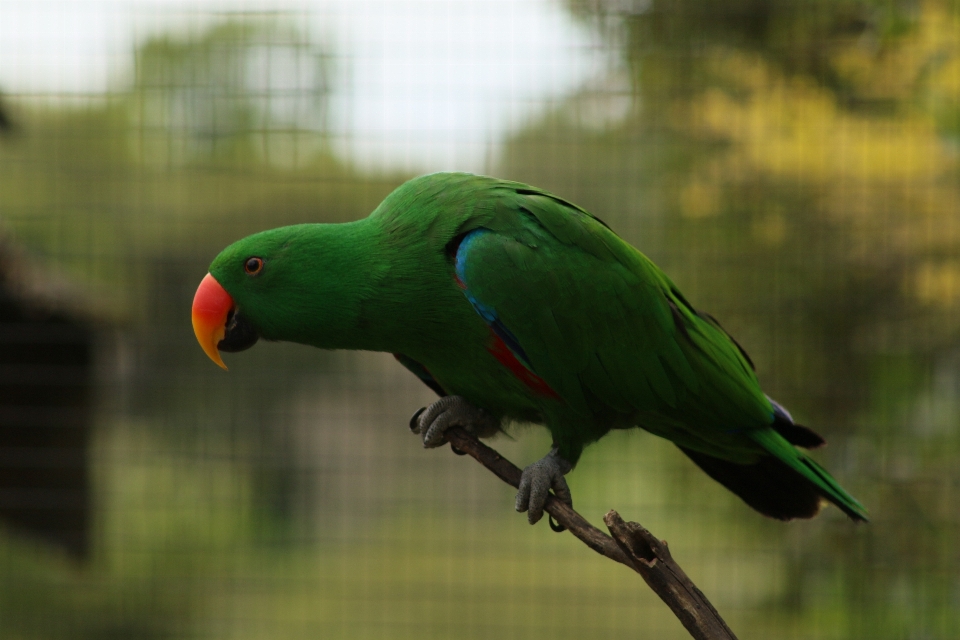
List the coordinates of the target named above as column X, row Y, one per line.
column 794, row 165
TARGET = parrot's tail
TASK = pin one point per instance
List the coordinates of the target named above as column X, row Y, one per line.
column 784, row 485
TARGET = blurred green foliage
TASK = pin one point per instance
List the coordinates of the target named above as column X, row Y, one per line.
column 792, row 164
column 222, row 134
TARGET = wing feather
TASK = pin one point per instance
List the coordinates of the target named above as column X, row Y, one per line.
column 601, row 323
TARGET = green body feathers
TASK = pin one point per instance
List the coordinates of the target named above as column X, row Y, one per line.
column 534, row 310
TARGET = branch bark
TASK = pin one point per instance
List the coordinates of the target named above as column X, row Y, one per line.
column 631, row 545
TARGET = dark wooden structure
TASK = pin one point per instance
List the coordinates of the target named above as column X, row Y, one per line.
column 46, row 397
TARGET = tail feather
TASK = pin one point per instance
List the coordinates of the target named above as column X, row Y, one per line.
column 784, row 485
column 769, row 486
column 829, row 488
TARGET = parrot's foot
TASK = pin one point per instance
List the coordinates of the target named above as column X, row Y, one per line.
column 451, row 411
column 537, row 480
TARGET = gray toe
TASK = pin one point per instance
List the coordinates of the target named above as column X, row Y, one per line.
column 451, row 411
column 537, row 480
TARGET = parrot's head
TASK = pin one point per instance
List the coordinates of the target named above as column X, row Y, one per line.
column 229, row 296
column 284, row 284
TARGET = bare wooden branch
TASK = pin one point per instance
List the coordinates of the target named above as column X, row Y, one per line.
column 631, row 545
column 652, row 560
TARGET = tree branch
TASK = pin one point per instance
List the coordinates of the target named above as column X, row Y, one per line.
column 631, row 545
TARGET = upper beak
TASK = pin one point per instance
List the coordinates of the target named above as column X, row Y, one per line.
column 211, row 307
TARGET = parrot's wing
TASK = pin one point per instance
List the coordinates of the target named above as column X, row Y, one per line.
column 600, row 323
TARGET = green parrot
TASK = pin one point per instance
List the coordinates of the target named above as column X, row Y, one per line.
column 516, row 305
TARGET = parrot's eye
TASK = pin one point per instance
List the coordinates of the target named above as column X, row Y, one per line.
column 253, row 266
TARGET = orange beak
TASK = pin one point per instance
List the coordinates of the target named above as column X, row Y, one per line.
column 211, row 305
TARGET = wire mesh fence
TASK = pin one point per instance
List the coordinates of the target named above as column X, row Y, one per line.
column 793, row 166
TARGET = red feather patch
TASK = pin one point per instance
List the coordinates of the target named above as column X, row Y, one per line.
column 499, row 350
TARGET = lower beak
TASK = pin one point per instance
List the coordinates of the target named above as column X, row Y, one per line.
column 211, row 307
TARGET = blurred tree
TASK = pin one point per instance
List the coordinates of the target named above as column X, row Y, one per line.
column 225, row 127
column 806, row 146
column 240, row 88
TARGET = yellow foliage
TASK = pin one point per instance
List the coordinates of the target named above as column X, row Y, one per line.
column 885, row 172
column 771, row 229
column 699, row 200
column 790, row 128
column 938, row 284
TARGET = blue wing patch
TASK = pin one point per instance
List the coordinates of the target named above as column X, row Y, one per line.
column 488, row 313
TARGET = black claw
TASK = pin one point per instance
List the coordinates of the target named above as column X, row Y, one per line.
column 556, row 526
column 457, row 451
column 413, row 420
